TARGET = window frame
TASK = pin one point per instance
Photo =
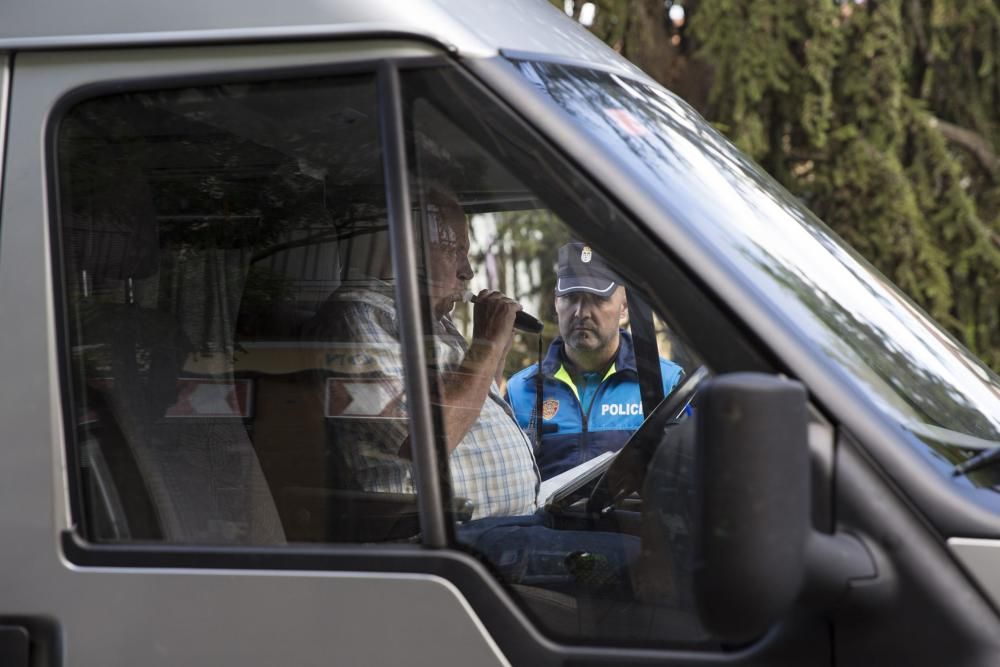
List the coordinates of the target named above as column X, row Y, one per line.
column 207, row 73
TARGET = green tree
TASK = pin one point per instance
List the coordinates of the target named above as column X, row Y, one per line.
column 882, row 115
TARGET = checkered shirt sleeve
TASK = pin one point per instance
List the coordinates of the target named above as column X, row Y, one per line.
column 373, row 426
column 493, row 465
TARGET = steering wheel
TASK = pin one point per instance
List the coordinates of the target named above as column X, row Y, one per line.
column 628, row 471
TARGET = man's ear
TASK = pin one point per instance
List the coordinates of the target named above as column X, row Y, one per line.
column 623, row 315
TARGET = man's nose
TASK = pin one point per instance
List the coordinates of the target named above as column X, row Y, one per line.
column 465, row 271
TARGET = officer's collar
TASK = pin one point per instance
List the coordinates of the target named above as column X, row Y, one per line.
column 624, row 360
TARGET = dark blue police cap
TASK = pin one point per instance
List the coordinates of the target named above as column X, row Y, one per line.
column 582, row 270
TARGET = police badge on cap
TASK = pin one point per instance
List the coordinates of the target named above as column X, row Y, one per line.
column 582, row 270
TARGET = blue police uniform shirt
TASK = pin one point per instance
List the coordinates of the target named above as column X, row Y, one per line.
column 581, row 423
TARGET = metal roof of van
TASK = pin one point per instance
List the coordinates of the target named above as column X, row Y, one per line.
column 469, row 28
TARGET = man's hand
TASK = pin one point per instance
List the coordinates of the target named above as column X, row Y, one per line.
column 493, row 318
column 466, row 388
column 493, row 326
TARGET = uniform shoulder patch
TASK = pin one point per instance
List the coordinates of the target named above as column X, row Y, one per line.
column 550, row 407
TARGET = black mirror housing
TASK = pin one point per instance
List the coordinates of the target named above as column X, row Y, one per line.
column 752, row 502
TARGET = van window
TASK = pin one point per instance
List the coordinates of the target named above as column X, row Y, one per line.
column 502, row 214
column 208, row 235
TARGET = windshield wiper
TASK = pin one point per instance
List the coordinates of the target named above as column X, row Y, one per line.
column 988, row 448
column 980, row 460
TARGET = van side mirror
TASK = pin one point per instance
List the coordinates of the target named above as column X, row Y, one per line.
column 755, row 550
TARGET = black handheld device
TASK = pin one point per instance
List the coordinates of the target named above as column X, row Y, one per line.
column 522, row 320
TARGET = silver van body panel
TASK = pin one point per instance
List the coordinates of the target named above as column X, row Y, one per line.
column 981, row 559
column 177, row 616
column 470, row 29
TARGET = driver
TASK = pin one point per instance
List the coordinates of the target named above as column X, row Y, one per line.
column 591, row 402
column 490, row 458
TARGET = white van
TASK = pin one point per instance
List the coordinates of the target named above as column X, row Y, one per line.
column 208, row 458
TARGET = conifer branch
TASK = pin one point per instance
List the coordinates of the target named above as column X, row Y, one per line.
column 970, row 140
column 917, row 24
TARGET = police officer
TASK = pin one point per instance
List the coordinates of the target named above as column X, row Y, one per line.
column 591, row 402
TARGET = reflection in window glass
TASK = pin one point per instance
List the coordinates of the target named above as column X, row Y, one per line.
column 211, row 237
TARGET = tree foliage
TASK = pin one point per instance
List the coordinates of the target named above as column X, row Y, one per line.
column 882, row 115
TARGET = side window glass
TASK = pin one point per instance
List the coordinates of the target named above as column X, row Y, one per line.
column 211, row 238
column 504, row 220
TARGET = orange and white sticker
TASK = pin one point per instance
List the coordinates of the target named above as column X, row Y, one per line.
column 196, row 398
column 364, row 397
column 204, row 397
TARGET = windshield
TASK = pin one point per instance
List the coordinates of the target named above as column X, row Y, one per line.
column 908, row 365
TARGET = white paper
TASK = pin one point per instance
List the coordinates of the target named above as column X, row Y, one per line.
column 553, row 485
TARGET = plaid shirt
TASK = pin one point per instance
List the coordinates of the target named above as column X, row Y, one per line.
column 493, row 465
